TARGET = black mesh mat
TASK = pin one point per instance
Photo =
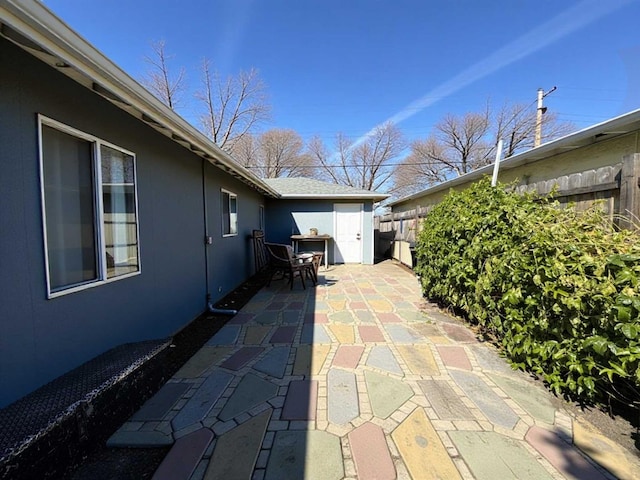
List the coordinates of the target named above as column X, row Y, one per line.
column 31, row 416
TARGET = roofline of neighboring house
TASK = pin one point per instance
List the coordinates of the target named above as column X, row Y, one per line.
column 32, row 26
column 337, row 196
column 606, row 130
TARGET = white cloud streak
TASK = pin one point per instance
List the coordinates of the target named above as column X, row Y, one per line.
column 567, row 22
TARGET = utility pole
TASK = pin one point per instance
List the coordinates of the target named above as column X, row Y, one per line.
column 541, row 110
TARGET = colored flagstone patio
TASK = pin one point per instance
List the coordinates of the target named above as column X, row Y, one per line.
column 361, row 378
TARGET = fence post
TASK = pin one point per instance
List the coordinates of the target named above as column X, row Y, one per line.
column 630, row 192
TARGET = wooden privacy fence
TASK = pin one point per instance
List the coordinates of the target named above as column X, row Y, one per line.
column 616, row 188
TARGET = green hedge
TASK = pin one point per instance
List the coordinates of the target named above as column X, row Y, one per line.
column 560, row 290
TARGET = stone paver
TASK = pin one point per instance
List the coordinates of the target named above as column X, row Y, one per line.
column 315, row 318
column 236, row 451
column 184, row 456
column 250, row 392
column 459, row 333
column 370, row 453
column 419, row 359
column 531, row 398
column 151, row 439
column 159, row 405
column 403, row 334
column 241, row 358
column 360, row 377
column 228, row 335
column 343, row 333
column 491, row 456
column 298, row 454
column 564, row 457
column 314, row 334
column 274, row 362
column 198, row 406
column 370, row 334
column 343, row 316
column 422, row 450
column 301, row 401
column 348, row 356
column 454, row 357
column 494, row 407
column 489, row 359
column 382, row 357
column 444, row 400
column 342, row 396
column 241, row 318
column 291, row 316
column 256, row 334
column 205, row 358
column 283, row 335
column 613, row 457
column 309, row 360
column 267, row 318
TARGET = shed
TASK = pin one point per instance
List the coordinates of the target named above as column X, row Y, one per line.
column 342, row 212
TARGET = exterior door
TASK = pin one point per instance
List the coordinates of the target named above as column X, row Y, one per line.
column 348, row 232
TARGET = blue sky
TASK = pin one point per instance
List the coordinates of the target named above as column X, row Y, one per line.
column 346, row 66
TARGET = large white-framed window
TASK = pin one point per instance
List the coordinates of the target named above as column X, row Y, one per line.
column 89, row 209
column 229, row 202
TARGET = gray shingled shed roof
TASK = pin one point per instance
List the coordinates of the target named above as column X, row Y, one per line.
column 300, row 187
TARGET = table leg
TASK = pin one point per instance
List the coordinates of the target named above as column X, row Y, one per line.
column 326, row 257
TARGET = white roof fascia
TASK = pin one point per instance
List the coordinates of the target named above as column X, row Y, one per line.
column 333, row 196
column 72, row 52
column 612, row 128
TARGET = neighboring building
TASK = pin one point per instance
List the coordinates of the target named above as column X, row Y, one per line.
column 120, row 221
column 344, row 213
column 600, row 163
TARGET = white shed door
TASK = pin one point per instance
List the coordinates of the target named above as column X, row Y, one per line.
column 348, row 233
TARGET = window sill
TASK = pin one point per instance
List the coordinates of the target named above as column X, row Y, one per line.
column 85, row 286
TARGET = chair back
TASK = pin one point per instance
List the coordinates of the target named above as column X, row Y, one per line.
column 260, row 255
column 280, row 254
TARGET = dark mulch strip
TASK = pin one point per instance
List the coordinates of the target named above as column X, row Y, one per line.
column 102, row 463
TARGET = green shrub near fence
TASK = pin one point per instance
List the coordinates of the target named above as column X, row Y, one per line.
column 560, row 290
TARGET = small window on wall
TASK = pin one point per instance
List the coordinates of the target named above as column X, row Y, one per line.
column 89, row 209
column 229, row 214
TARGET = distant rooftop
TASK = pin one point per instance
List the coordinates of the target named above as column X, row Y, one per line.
column 301, row 187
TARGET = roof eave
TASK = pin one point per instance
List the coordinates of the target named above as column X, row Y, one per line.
column 33, row 27
column 292, row 196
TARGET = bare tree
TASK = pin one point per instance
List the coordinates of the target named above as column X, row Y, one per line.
column 232, row 106
column 461, row 144
column 516, row 125
column 367, row 165
column 245, row 151
column 273, row 154
column 160, row 80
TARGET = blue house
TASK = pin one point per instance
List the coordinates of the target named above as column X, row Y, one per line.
column 120, row 221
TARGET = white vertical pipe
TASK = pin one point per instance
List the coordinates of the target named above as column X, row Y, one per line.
column 496, row 165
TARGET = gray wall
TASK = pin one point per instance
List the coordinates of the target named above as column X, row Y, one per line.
column 230, row 258
column 289, row 217
column 41, row 339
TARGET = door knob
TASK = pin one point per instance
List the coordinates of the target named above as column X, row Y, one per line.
column 357, row 236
